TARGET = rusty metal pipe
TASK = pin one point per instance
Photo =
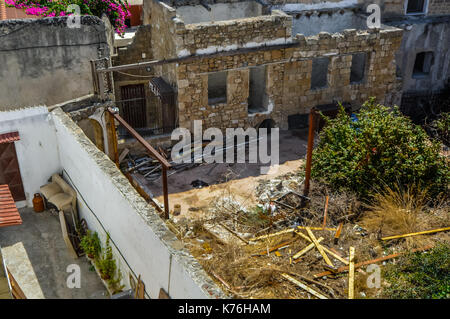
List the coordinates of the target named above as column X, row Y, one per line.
column 164, row 163
column 312, row 122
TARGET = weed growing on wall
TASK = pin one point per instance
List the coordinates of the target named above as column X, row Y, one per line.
column 378, row 148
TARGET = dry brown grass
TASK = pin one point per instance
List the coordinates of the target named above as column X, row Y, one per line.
column 397, row 211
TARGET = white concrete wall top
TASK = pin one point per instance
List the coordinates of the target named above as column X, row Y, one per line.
column 37, row 150
column 110, row 204
column 336, row 22
column 219, row 12
column 289, row 7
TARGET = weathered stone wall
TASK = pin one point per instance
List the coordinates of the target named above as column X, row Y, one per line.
column 288, row 82
column 139, row 50
column 438, row 7
column 428, row 36
column 163, row 39
column 42, row 61
column 201, row 38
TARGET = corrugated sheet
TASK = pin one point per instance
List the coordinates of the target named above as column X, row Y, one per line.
column 9, row 215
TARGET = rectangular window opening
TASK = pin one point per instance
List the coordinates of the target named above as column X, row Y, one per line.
column 415, row 6
column 217, row 88
column 358, row 68
column 423, row 63
column 319, row 76
column 257, row 98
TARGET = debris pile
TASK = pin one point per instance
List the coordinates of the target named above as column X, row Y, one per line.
column 290, row 246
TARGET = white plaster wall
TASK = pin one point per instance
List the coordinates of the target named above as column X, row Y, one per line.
column 37, row 150
column 219, row 12
column 335, row 23
column 139, row 234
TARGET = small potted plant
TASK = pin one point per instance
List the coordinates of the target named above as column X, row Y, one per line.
column 91, row 245
column 107, row 265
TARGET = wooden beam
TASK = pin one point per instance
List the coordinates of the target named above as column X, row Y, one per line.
column 351, row 274
column 319, row 247
column 303, row 286
column 416, row 234
column 113, row 135
column 368, row 262
column 16, row 290
column 306, row 249
column 325, row 213
column 324, row 248
column 286, row 231
column 338, row 233
column 317, row 228
column 165, row 192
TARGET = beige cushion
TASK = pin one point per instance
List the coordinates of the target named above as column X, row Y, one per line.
column 61, row 200
column 50, row 190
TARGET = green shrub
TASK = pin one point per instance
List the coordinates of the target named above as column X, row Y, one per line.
column 106, row 264
column 441, row 128
column 382, row 148
column 422, row 275
column 90, row 243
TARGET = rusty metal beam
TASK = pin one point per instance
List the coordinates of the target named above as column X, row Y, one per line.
column 312, row 122
column 164, row 163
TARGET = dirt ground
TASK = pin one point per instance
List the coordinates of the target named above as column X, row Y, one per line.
column 223, row 178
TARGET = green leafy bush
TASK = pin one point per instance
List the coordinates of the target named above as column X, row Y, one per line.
column 422, row 275
column 90, row 243
column 381, row 148
column 441, row 128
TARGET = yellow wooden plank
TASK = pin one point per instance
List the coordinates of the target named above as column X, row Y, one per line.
column 319, row 247
column 317, row 228
column 286, row 231
column 306, row 249
column 345, row 262
column 416, row 234
column 324, row 248
column 303, row 286
column 351, row 274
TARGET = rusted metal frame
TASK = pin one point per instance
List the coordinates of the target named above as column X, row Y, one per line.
column 312, row 122
column 164, row 163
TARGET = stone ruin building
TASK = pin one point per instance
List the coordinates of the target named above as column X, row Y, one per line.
column 251, row 63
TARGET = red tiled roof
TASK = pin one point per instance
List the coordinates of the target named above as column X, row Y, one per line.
column 9, row 215
column 9, row 137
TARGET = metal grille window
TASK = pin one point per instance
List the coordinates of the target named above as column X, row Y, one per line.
column 133, row 105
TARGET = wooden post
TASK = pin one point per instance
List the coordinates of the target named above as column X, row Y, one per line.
column 309, row 151
column 166, row 192
column 351, row 273
column 325, row 213
column 113, row 135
